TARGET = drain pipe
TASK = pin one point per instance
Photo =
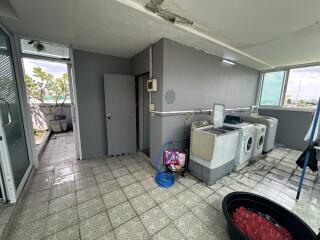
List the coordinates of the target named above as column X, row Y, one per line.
column 150, row 75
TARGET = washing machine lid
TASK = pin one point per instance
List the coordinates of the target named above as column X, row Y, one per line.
column 219, row 131
column 216, row 131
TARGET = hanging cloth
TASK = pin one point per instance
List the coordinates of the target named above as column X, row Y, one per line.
column 313, row 159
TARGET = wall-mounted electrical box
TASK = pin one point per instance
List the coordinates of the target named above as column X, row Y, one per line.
column 151, row 107
column 152, row 85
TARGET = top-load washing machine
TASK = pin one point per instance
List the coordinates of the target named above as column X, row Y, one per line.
column 259, row 140
column 247, row 133
column 271, row 129
column 213, row 151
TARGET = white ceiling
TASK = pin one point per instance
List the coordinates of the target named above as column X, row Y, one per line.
column 260, row 34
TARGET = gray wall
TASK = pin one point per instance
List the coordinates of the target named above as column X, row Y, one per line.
column 89, row 69
column 199, row 80
column 292, row 128
column 140, row 65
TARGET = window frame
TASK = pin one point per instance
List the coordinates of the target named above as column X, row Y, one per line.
column 43, row 57
column 283, row 90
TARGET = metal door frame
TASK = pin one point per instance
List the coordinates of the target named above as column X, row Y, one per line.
column 7, row 174
column 2, row 186
column 74, row 111
column 72, row 89
column 13, row 191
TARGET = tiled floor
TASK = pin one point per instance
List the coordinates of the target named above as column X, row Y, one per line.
column 117, row 198
column 6, row 211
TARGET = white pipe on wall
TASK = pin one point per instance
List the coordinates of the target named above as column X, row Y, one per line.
column 197, row 111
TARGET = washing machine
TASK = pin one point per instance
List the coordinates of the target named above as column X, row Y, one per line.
column 271, row 129
column 246, row 138
column 212, row 152
column 259, row 140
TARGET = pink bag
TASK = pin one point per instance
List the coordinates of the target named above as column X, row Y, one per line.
column 174, row 158
column 181, row 159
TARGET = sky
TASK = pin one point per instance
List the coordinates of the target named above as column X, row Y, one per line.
column 309, row 84
column 303, row 84
column 57, row 69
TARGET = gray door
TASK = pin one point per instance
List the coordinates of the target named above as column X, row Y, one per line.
column 120, row 106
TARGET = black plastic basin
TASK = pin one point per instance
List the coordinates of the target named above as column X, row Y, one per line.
column 295, row 225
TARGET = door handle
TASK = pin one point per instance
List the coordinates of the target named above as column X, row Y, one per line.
column 108, row 115
column 8, row 111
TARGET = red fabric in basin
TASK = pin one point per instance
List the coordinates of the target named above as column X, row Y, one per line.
column 257, row 227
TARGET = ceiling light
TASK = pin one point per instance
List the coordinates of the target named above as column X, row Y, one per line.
column 228, row 61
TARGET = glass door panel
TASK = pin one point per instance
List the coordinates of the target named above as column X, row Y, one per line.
column 10, row 112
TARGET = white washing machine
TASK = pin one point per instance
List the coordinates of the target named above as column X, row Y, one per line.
column 271, row 123
column 213, row 151
column 259, row 140
column 247, row 133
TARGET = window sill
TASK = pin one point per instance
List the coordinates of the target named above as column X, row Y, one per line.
column 280, row 108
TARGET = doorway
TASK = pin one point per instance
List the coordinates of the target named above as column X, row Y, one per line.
column 143, row 115
column 48, row 95
column 50, row 92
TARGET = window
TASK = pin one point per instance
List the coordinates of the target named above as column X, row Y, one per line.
column 40, row 48
column 303, row 88
column 293, row 88
column 272, row 88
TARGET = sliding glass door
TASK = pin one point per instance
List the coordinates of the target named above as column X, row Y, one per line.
column 15, row 163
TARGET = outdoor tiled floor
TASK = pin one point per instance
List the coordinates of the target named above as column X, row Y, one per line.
column 116, row 198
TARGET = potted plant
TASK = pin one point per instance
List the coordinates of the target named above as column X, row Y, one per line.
column 58, row 89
